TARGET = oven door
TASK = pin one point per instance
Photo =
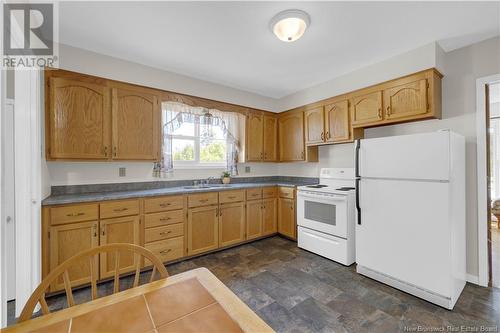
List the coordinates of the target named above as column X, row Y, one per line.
column 323, row 212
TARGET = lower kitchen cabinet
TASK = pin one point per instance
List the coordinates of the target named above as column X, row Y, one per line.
column 118, row 230
column 67, row 240
column 269, row 216
column 231, row 223
column 286, row 217
column 166, row 249
column 254, row 219
column 203, row 229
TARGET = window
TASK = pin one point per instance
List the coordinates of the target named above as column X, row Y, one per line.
column 199, row 141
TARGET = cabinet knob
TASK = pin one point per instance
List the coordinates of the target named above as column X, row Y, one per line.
column 327, row 135
column 388, row 111
column 380, row 113
column 322, row 136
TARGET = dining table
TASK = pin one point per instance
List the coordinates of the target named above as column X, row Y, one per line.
column 192, row 301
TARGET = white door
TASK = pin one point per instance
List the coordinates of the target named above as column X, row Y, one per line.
column 417, row 156
column 8, row 199
column 404, row 232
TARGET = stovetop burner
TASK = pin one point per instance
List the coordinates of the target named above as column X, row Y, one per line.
column 344, row 188
column 317, row 186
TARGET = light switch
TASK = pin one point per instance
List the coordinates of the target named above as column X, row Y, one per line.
column 122, row 172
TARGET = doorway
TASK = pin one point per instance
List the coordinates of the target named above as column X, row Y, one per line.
column 493, row 169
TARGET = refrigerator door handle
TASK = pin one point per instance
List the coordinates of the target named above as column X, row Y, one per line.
column 358, row 146
column 358, row 206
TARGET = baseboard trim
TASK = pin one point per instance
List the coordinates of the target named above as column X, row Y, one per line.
column 472, row 278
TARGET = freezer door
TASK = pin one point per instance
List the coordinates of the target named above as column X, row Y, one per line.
column 404, row 232
column 419, row 156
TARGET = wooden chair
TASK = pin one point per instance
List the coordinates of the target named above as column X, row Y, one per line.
column 38, row 295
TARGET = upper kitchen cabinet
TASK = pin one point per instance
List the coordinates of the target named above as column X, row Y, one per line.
column 406, row 100
column 91, row 118
column 329, row 122
column 270, row 139
column 136, row 125
column 78, row 119
column 314, row 120
column 337, row 128
column 367, row 108
column 410, row 98
column 255, row 137
column 261, row 137
column 292, row 146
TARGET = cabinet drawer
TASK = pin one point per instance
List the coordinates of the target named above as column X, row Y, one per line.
column 287, row 192
column 231, row 196
column 119, row 208
column 166, row 250
column 269, row 192
column 162, row 204
column 166, row 218
column 203, row 199
column 254, row 193
column 163, row 232
column 74, row 213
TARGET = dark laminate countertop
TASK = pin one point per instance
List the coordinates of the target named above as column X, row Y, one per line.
column 114, row 195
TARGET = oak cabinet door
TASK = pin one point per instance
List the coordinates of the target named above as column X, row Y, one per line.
column 118, row 230
column 79, row 120
column 255, row 137
column 136, row 117
column 269, row 216
column 231, row 223
column 254, row 219
column 337, row 121
column 67, row 240
column 286, row 217
column 203, row 229
column 291, row 137
column 314, row 120
column 270, row 139
column 367, row 108
column 406, row 100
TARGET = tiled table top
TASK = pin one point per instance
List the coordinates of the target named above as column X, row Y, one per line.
column 194, row 301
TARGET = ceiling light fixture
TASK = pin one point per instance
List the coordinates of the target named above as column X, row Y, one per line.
column 290, row 25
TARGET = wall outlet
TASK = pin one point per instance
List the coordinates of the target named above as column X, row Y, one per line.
column 122, row 172
column 247, row 169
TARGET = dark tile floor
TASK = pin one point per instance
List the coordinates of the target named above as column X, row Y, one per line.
column 296, row 291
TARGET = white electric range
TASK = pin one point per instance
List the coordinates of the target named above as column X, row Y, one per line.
column 326, row 215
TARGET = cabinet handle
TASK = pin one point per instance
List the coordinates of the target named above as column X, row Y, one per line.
column 114, row 151
column 380, row 113
column 165, row 251
column 165, row 204
column 327, row 135
column 203, row 200
column 106, row 151
column 220, row 212
column 95, row 230
column 165, row 218
column 322, row 136
column 103, row 231
column 231, row 197
column 388, row 111
column 302, row 155
column 75, row 214
column 216, row 211
column 165, row 232
column 291, row 206
column 120, row 209
column 261, row 155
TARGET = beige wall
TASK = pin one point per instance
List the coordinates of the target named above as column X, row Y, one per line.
column 10, row 84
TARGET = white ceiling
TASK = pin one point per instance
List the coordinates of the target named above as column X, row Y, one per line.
column 230, row 42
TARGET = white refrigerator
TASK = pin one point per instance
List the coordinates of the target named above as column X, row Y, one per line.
column 410, row 224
